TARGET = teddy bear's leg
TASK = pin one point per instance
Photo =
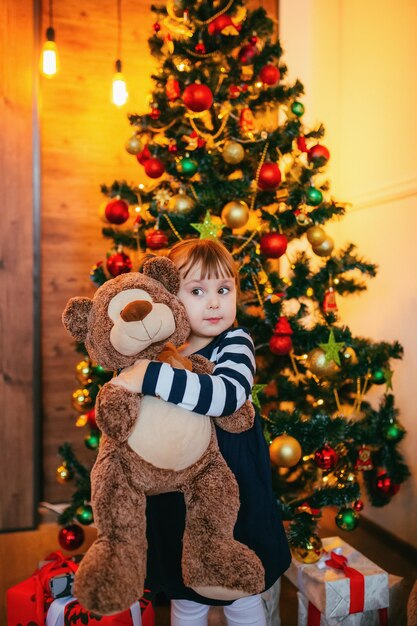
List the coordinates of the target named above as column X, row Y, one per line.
column 214, row 564
column 111, row 575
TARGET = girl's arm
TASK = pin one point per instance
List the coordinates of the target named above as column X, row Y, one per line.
column 218, row 394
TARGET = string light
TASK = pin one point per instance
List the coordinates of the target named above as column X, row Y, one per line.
column 49, row 60
column 119, row 90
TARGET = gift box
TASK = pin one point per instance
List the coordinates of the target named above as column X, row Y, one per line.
column 394, row 615
column 343, row 582
column 43, row 599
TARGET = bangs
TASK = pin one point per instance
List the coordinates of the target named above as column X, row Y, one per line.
column 212, row 258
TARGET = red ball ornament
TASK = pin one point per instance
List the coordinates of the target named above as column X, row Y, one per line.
column 155, row 114
column 222, row 24
column 144, row 155
column 247, row 53
column 173, row 148
column 119, row 263
column 280, row 344
column 273, row 245
column 358, row 505
column 197, row 97
column 156, row 239
column 269, row 177
column 326, row 457
column 269, row 74
column 117, row 211
column 154, row 168
column 318, row 152
column 234, row 92
column 71, row 537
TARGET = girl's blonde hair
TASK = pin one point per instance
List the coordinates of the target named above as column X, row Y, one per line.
column 211, row 256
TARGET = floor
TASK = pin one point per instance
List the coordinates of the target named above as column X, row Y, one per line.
column 20, row 553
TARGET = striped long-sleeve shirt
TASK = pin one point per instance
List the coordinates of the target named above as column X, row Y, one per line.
column 217, row 394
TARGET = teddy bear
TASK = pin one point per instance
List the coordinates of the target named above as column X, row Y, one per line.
column 149, row 446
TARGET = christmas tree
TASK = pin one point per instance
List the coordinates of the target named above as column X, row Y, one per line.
column 226, row 155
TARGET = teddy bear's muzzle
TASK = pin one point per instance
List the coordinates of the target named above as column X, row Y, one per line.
column 136, row 311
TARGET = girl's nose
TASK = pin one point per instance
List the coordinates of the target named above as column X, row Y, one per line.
column 214, row 301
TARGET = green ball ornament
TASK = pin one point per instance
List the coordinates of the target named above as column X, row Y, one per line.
column 297, row 108
column 378, row 377
column 186, row 167
column 393, row 432
column 92, row 440
column 347, row 518
column 314, row 196
column 84, row 515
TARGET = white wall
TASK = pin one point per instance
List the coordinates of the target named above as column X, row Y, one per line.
column 357, row 62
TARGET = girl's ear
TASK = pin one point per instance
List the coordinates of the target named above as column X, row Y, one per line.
column 164, row 271
column 75, row 317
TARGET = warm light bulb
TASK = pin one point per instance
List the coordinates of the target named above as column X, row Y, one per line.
column 49, row 61
column 119, row 91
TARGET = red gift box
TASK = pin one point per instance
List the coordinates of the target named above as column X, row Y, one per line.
column 29, row 602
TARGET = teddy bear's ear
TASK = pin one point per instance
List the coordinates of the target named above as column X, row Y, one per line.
column 163, row 270
column 75, row 317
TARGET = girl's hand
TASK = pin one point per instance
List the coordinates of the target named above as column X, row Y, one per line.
column 131, row 378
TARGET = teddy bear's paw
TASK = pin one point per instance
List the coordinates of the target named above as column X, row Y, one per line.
column 110, row 577
column 227, row 571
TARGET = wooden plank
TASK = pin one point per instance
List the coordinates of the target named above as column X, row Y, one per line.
column 16, row 267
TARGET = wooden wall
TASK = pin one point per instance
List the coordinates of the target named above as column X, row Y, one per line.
column 83, row 138
column 17, row 385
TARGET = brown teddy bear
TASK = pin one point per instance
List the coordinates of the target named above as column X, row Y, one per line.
column 150, row 446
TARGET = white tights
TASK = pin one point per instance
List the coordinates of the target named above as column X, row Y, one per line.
column 244, row 612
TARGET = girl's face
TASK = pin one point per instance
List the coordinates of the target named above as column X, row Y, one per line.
column 210, row 304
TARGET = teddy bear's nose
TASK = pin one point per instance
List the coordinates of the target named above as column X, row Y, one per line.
column 136, row 311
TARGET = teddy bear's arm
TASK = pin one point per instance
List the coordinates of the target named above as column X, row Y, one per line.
column 240, row 420
column 112, row 403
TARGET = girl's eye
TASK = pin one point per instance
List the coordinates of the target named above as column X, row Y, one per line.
column 197, row 291
column 224, row 290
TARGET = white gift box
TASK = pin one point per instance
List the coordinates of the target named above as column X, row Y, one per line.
column 394, row 615
column 329, row 589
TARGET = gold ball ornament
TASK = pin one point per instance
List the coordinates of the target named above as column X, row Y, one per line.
column 180, row 203
column 316, row 361
column 349, row 356
column 325, row 248
column 81, row 400
column 310, row 553
column 233, row 152
column 83, row 371
column 102, row 211
column 134, row 145
column 63, row 474
column 235, row 214
column 285, row 451
column 316, row 235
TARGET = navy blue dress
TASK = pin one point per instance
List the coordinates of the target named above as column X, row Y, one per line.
column 258, row 525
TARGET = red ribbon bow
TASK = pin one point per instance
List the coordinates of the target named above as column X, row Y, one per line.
column 58, row 565
column 357, row 581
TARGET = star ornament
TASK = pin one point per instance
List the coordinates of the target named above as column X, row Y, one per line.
column 332, row 349
column 256, row 390
column 388, row 377
column 208, row 229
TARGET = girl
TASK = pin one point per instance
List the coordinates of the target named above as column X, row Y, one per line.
column 208, row 290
